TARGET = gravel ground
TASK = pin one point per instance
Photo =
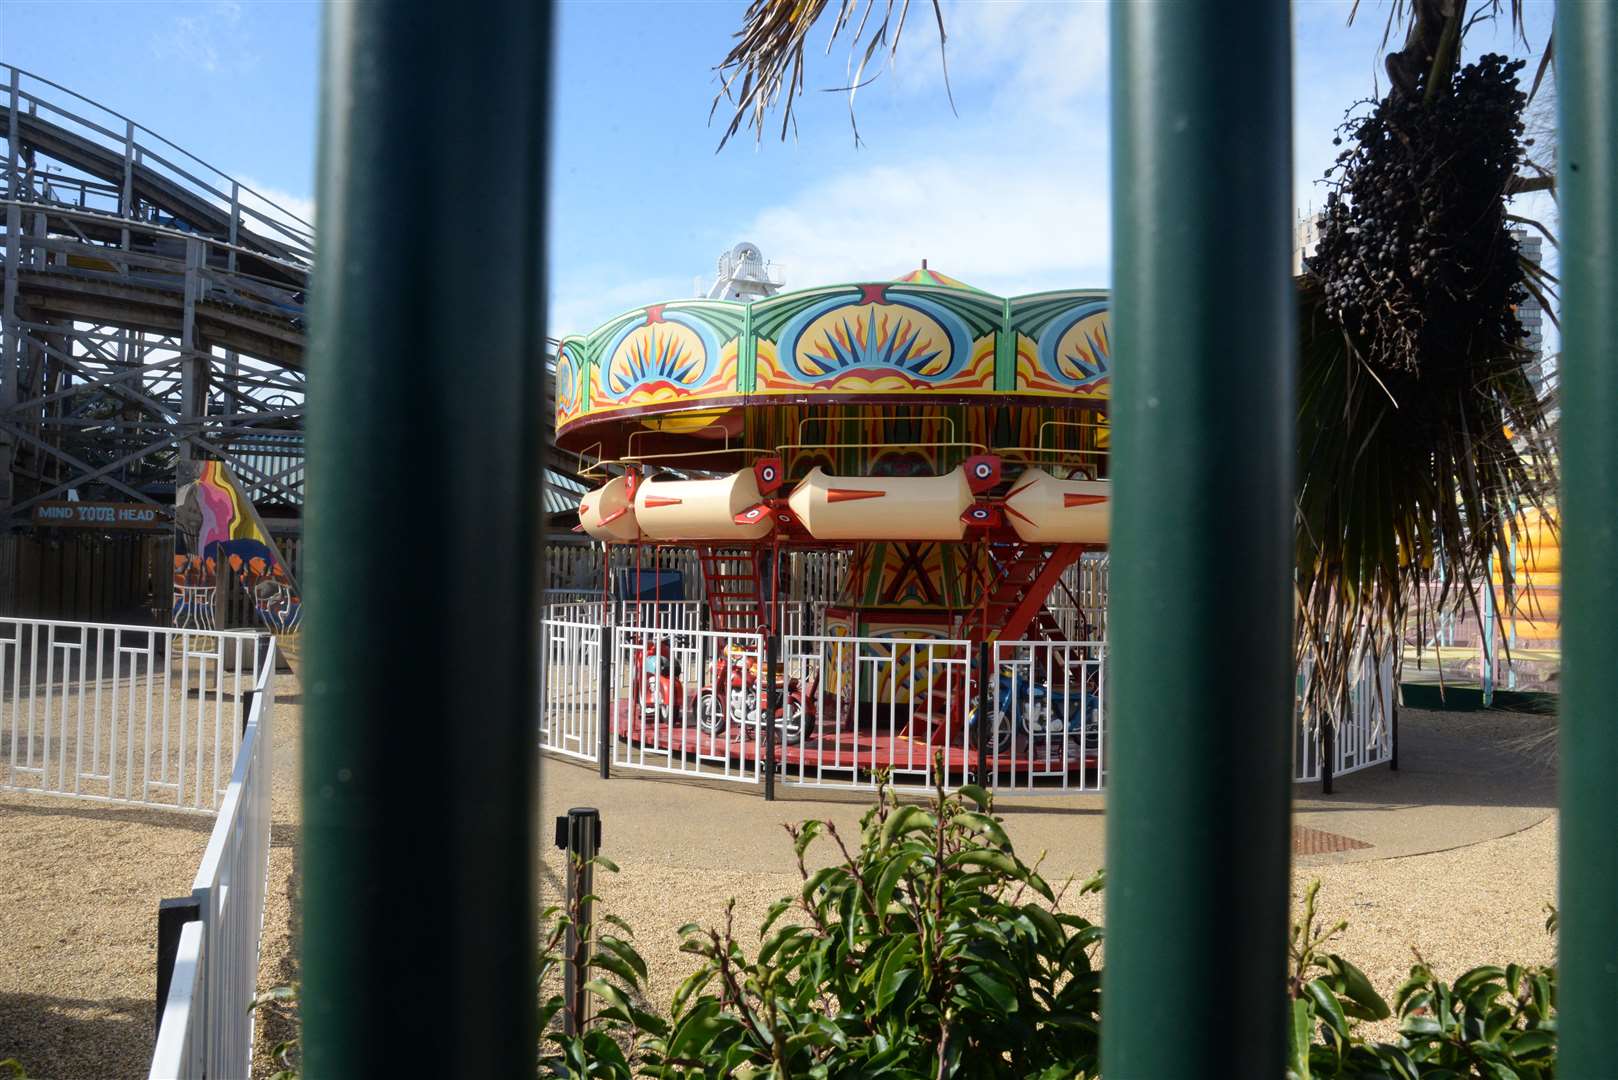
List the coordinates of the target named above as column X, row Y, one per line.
column 278, row 964
column 78, row 959
column 76, row 963
column 1473, row 905
column 79, row 887
column 1470, row 896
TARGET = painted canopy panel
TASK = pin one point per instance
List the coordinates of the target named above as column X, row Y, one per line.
column 876, row 339
column 1063, row 344
column 887, row 340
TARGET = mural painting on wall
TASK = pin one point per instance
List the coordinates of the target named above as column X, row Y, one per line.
column 214, row 523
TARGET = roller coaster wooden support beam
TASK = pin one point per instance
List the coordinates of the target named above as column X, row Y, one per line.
column 413, row 903
column 1197, row 889
column 1587, row 148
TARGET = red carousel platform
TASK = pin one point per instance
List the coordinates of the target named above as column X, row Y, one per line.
column 865, row 749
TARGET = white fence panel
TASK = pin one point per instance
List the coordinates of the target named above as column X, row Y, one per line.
column 1360, row 739
column 213, row 1024
column 122, row 713
column 688, row 702
column 1047, row 702
column 181, row 1049
column 570, row 681
column 877, row 706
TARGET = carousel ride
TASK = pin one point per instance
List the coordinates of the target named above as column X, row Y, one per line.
column 950, row 446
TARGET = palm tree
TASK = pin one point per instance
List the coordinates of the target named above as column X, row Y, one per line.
column 1421, row 440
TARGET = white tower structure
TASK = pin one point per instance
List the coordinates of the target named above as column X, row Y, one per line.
column 744, row 275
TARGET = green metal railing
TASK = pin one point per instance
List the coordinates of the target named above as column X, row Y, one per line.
column 418, row 947
column 419, row 911
column 1587, row 149
column 1202, row 542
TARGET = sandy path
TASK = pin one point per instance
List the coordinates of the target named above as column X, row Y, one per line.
column 80, row 883
column 1460, row 862
column 77, row 959
column 79, row 888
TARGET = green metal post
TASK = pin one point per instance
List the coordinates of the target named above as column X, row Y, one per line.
column 420, row 746
column 1200, row 614
column 1587, row 148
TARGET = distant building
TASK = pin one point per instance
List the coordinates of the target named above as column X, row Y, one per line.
column 1305, row 239
column 1542, row 369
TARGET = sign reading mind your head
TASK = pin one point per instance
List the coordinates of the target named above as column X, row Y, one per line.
column 100, row 515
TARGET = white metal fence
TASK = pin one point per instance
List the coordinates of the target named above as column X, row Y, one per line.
column 1361, row 738
column 878, row 706
column 570, row 681
column 130, row 714
column 852, row 710
column 688, row 702
column 207, row 1025
column 1047, row 701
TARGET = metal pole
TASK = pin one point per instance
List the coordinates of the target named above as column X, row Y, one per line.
column 1201, row 606
column 606, row 706
column 1487, row 645
column 985, row 715
column 1587, row 148
column 579, row 834
column 172, row 915
column 247, row 708
column 424, row 375
column 1328, row 754
column 1393, row 734
column 772, row 705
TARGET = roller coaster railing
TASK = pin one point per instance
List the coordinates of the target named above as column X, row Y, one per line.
column 153, row 310
column 127, row 163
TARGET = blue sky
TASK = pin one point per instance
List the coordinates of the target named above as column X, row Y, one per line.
column 1011, row 194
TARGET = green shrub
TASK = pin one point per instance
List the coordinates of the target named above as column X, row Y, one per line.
column 1493, row 1023
column 927, row 948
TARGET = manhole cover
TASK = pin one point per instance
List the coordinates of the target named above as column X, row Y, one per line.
column 1307, row 841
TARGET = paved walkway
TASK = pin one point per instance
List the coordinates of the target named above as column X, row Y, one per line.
column 1462, row 779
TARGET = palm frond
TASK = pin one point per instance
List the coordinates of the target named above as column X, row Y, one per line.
column 765, row 67
column 1411, row 483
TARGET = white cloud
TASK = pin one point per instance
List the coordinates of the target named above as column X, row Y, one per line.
column 1028, row 56
column 1003, row 223
column 211, row 39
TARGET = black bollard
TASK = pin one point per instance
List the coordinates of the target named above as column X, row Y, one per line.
column 579, row 834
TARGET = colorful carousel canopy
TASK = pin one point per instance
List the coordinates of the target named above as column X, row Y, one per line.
column 700, row 383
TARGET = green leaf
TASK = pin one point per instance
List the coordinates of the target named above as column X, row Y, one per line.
column 1415, row 1027
column 1352, row 983
column 1531, row 1043
column 819, row 879
column 896, row 970
column 979, row 796
column 993, row 988
column 806, row 836
column 1299, row 1034
column 624, row 951
column 1327, row 1008
column 609, row 993
column 893, row 871
column 696, row 1030
column 985, row 825
column 905, row 819
column 985, row 857
column 692, row 984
